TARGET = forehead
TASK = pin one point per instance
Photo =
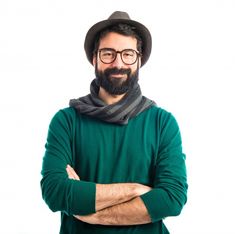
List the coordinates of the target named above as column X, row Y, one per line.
column 118, row 41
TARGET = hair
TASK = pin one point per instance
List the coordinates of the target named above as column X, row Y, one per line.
column 123, row 29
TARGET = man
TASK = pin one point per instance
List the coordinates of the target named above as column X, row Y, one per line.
column 113, row 160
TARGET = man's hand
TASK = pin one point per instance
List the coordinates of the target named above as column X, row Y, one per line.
column 71, row 173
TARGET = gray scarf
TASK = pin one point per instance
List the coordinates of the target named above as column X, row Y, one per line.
column 132, row 104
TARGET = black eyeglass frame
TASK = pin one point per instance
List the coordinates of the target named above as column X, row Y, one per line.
column 121, row 53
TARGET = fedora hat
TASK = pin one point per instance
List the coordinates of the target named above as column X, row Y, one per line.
column 116, row 18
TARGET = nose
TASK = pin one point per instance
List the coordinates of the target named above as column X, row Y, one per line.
column 118, row 61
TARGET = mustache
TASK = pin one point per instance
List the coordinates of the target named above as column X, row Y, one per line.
column 116, row 71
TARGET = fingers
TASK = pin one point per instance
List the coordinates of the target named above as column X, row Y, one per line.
column 142, row 189
column 71, row 173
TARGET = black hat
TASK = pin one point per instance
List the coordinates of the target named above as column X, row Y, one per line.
column 115, row 18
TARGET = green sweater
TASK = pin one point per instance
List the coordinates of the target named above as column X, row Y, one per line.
column 147, row 150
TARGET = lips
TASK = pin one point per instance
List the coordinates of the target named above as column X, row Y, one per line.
column 119, row 75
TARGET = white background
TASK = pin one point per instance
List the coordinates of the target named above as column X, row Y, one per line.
column 190, row 73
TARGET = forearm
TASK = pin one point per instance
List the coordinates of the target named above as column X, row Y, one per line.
column 108, row 195
column 132, row 212
column 112, row 194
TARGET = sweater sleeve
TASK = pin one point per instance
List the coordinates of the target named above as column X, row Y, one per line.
column 59, row 192
column 169, row 193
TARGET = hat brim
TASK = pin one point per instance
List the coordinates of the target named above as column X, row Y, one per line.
column 139, row 28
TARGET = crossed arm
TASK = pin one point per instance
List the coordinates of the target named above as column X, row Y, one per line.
column 116, row 204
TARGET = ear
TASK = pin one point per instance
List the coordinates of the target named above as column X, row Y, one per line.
column 139, row 62
column 94, row 60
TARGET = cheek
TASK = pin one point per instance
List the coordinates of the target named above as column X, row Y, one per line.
column 134, row 68
column 101, row 66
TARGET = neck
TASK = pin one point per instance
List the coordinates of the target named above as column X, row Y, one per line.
column 109, row 98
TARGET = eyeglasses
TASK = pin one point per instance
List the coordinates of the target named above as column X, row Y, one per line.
column 128, row 56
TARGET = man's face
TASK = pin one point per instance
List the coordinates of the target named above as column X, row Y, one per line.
column 116, row 77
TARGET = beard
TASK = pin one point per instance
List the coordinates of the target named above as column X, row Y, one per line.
column 116, row 86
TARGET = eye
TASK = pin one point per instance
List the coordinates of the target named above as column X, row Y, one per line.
column 128, row 53
column 107, row 53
